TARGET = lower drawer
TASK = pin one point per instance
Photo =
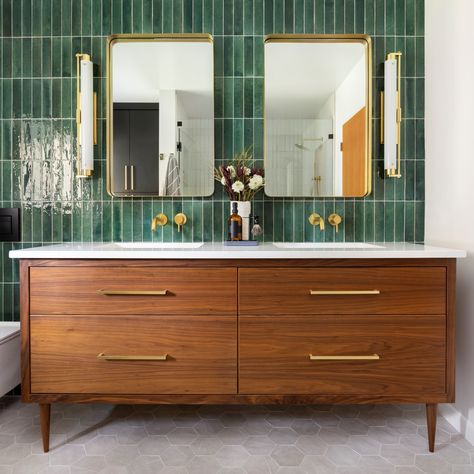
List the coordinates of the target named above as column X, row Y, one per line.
column 405, row 354
column 133, row 354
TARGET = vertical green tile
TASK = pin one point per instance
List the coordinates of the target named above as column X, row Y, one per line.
column 177, row 16
column 289, row 17
column 137, row 20
column 248, row 17
column 339, row 16
column 207, row 19
column 16, row 18
column 238, row 8
column 238, row 56
column 248, row 56
column 116, row 16
column 410, row 17
column 106, row 17
column 268, row 17
column 359, row 16
column 126, row 16
column 419, row 17
column 329, row 21
column 26, row 11
column 197, row 17
column 349, row 16
column 238, row 97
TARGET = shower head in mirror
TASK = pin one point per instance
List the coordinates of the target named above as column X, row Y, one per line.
column 301, row 145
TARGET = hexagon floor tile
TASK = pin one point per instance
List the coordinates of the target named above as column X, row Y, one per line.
column 148, row 439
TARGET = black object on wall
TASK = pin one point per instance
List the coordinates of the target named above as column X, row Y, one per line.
column 10, row 224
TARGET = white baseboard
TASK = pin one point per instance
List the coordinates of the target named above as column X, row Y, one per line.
column 458, row 421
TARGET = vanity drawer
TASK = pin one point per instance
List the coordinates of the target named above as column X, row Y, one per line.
column 121, row 290
column 274, row 354
column 382, row 290
column 65, row 350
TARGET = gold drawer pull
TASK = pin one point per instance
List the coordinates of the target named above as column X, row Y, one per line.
column 348, row 357
column 102, row 356
column 344, row 292
column 133, row 292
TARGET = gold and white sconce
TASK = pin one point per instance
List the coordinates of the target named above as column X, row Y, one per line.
column 391, row 115
column 86, row 116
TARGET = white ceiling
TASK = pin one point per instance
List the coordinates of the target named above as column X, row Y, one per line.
column 300, row 77
column 141, row 69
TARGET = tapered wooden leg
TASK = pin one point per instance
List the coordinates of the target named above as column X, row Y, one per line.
column 45, row 417
column 431, row 413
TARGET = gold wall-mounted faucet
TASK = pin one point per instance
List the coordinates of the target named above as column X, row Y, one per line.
column 335, row 220
column 180, row 219
column 159, row 219
column 316, row 219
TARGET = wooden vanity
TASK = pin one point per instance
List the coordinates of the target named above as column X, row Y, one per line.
column 238, row 331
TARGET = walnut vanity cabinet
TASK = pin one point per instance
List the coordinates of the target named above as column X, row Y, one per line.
column 238, row 331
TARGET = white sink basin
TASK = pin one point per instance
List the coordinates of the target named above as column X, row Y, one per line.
column 159, row 245
column 326, row 245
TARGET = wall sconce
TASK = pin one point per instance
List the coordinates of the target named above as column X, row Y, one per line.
column 391, row 115
column 86, row 116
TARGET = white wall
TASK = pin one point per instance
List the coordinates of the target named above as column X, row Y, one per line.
column 450, row 173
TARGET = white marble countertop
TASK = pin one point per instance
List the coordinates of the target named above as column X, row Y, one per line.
column 219, row 251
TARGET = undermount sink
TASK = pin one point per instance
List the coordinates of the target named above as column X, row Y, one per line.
column 326, row 245
column 159, row 245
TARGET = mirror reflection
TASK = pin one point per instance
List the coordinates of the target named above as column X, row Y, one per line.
column 317, row 116
column 161, row 115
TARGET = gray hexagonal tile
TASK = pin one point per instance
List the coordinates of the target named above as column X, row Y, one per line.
column 283, row 435
column 177, row 455
column 287, row 455
column 259, row 445
column 232, row 456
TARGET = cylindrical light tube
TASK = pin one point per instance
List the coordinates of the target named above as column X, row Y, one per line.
column 87, row 117
column 390, row 138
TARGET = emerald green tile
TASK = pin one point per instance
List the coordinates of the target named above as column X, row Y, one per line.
column 55, row 60
column 248, row 134
column 258, row 56
column 369, row 221
column 370, row 17
column 167, row 230
column 349, row 16
column 7, row 57
column 106, row 17
column 7, row 92
column 137, row 19
column 96, row 17
column 419, row 180
column 248, row 17
column 268, row 17
column 238, row 8
column 409, row 58
column 400, row 17
column 37, row 94
column 177, row 16
column 308, row 16
column 218, row 17
column 248, row 97
column 67, row 222
column 339, row 24
column 228, row 97
column 45, row 58
column 258, row 138
column 389, row 218
column 96, row 221
column 26, row 11
column 66, row 17
column 420, row 17
column 136, row 220
column 37, row 222
column 258, row 17
column 248, row 56
column 218, row 97
column 47, row 223
column 7, row 18
column 16, row 98
column 196, row 15
column 16, row 18
column 238, row 87
column 390, row 17
column 228, row 17
column 410, row 137
column 409, row 180
column 420, row 139
column 409, row 221
column 228, row 56
column 409, row 91
column 157, row 20
column 329, row 22
column 56, row 17
column 127, row 16
column 288, row 221
column 318, row 15
column 207, row 18
column 46, row 17
column 419, row 222
column 238, row 56
column 410, row 17
column 56, row 98
column 238, row 136
column 258, row 98
column 420, row 57
column 420, row 98
column 299, row 16
column 359, row 221
column 116, row 16
column 289, row 17
column 359, row 16
column 279, row 16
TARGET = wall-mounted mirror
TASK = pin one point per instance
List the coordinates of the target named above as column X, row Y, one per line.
column 160, row 127
column 317, row 115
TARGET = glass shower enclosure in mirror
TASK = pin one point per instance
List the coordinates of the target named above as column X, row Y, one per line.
column 317, row 115
column 160, row 115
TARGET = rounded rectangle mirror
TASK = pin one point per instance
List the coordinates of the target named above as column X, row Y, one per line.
column 318, row 115
column 160, row 115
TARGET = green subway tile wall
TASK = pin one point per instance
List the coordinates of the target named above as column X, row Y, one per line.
column 39, row 39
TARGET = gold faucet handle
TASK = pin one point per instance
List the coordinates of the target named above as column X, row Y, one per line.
column 159, row 219
column 316, row 219
column 335, row 220
column 180, row 219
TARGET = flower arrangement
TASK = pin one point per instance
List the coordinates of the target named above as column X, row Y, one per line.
column 241, row 181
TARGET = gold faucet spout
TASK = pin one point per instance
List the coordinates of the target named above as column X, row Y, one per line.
column 159, row 219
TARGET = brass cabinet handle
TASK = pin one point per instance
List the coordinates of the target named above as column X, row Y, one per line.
column 133, row 292
column 347, row 357
column 344, row 292
column 103, row 356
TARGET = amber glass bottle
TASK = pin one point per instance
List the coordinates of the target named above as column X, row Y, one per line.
column 235, row 224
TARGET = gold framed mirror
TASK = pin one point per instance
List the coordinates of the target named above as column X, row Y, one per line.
column 160, row 115
column 318, row 115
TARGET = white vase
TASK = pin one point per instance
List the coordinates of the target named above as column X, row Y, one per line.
column 244, row 209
